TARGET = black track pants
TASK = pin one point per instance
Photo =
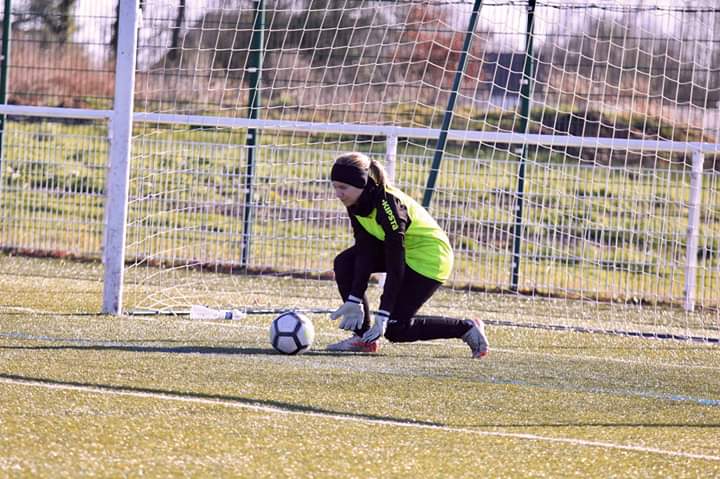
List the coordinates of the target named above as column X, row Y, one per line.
column 414, row 292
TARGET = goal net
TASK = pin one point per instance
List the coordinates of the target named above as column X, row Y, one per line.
column 577, row 180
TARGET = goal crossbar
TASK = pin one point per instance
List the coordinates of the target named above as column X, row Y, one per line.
column 373, row 130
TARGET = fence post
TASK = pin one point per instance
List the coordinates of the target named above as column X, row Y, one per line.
column 523, row 125
column 254, row 69
column 4, row 70
column 693, row 231
column 118, row 177
column 447, row 117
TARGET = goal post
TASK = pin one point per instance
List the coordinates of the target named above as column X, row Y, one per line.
column 118, row 178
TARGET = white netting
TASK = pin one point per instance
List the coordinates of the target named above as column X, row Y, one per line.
column 622, row 92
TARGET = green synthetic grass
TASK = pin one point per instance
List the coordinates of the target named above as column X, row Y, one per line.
column 85, row 394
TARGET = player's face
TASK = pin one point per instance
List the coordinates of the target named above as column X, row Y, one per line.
column 347, row 194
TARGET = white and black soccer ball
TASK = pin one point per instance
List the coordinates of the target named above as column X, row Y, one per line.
column 292, row 333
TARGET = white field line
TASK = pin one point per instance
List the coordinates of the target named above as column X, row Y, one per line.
column 361, row 420
column 21, row 309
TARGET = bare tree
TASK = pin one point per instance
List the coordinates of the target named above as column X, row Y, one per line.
column 116, row 25
column 51, row 20
column 175, row 46
column 620, row 62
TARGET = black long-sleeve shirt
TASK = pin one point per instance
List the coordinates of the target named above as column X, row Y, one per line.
column 409, row 235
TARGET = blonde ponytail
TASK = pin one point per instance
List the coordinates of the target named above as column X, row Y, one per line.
column 377, row 172
column 362, row 161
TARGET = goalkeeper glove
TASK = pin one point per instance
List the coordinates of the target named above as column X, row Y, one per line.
column 378, row 328
column 352, row 312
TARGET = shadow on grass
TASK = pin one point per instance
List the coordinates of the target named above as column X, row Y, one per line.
column 286, row 407
column 149, row 349
column 172, row 349
column 220, row 399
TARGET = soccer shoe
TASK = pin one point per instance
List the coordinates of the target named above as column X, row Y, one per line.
column 354, row 344
column 476, row 339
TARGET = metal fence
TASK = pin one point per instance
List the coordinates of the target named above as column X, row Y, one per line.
column 617, row 206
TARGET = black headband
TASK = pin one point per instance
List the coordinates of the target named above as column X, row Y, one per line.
column 350, row 174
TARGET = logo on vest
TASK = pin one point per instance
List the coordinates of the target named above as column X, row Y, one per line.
column 390, row 215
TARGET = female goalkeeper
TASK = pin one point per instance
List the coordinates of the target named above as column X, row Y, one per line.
column 395, row 235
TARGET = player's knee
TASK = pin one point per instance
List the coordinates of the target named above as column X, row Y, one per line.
column 343, row 262
column 394, row 332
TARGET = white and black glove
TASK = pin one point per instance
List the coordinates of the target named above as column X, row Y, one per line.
column 378, row 328
column 352, row 312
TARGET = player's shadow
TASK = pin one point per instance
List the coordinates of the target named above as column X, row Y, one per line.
column 285, row 407
column 186, row 349
column 189, row 349
column 250, row 403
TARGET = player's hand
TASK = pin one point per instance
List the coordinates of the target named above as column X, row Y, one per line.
column 352, row 312
column 378, row 328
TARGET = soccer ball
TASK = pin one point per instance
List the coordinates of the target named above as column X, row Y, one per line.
column 292, row 333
